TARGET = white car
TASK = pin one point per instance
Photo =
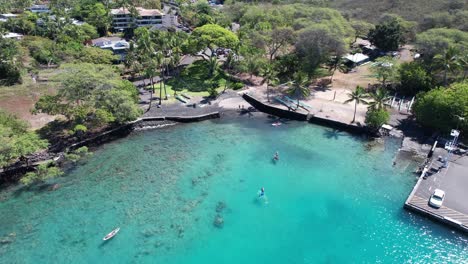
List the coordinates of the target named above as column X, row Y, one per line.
column 437, row 198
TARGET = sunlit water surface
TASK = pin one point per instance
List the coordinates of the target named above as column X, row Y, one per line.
column 332, row 198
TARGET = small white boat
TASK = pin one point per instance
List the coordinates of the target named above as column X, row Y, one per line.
column 111, row 234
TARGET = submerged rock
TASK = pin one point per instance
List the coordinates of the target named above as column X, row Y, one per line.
column 220, row 207
column 54, row 187
column 218, row 221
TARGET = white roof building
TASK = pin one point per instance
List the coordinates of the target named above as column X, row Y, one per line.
column 5, row 17
column 39, row 9
column 11, row 35
column 117, row 45
column 122, row 18
column 357, row 58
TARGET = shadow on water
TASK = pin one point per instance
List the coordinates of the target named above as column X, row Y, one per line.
column 334, row 134
column 35, row 188
column 260, row 201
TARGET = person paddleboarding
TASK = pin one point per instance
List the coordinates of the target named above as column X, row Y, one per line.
column 261, row 193
column 276, row 156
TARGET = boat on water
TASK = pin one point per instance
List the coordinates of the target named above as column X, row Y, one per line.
column 111, row 234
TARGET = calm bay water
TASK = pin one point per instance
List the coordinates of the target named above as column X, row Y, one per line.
column 331, row 198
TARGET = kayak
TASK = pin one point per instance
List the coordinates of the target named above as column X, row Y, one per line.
column 111, row 234
column 276, row 124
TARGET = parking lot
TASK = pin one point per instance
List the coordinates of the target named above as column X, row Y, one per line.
column 453, row 180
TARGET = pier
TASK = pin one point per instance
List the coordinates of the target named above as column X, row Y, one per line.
column 453, row 180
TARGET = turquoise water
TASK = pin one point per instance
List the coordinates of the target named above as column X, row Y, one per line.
column 332, row 198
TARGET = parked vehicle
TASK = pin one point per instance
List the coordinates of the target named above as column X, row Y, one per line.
column 437, row 198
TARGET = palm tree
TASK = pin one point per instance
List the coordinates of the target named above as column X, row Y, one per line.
column 299, row 86
column 378, row 99
column 358, row 97
column 150, row 72
column 160, row 62
column 213, row 66
column 336, row 63
column 269, row 76
column 448, row 61
column 463, row 61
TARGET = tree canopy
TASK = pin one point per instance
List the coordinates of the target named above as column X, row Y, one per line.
column 91, row 94
column 15, row 140
column 387, row 35
column 434, row 41
column 438, row 109
column 212, row 36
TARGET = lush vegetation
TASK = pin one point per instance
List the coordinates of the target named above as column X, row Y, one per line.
column 444, row 108
column 283, row 41
column 91, row 95
column 16, row 142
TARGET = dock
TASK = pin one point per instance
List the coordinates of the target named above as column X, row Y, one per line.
column 453, row 180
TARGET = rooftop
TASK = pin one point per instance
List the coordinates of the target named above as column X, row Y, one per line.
column 356, row 58
column 8, row 15
column 12, row 35
column 141, row 11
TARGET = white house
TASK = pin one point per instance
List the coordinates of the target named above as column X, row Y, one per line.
column 118, row 46
column 123, row 19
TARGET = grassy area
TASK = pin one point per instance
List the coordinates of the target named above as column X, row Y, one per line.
column 194, row 80
column 171, row 91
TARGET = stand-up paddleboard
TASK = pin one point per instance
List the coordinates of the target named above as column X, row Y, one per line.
column 276, row 124
column 111, row 234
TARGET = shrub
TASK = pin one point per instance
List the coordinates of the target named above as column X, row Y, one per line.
column 237, row 85
column 77, row 154
column 375, row 118
column 79, row 130
column 43, row 172
column 438, row 109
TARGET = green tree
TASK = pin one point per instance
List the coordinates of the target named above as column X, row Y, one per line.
column 99, row 17
column 438, row 109
column 385, row 69
column 336, row 63
column 315, row 46
column 433, row 41
column 20, row 25
column 9, row 62
column 361, row 28
column 387, row 35
column 43, row 172
column 205, row 40
column 15, row 141
column 413, row 79
column 448, row 61
column 269, row 77
column 97, row 56
column 88, row 92
column 375, row 118
column 378, row 99
column 299, row 86
column 358, row 96
column 278, row 40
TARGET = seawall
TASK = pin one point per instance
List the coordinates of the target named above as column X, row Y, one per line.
column 272, row 110
column 13, row 172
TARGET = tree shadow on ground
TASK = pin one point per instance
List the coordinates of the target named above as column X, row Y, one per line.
column 413, row 130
